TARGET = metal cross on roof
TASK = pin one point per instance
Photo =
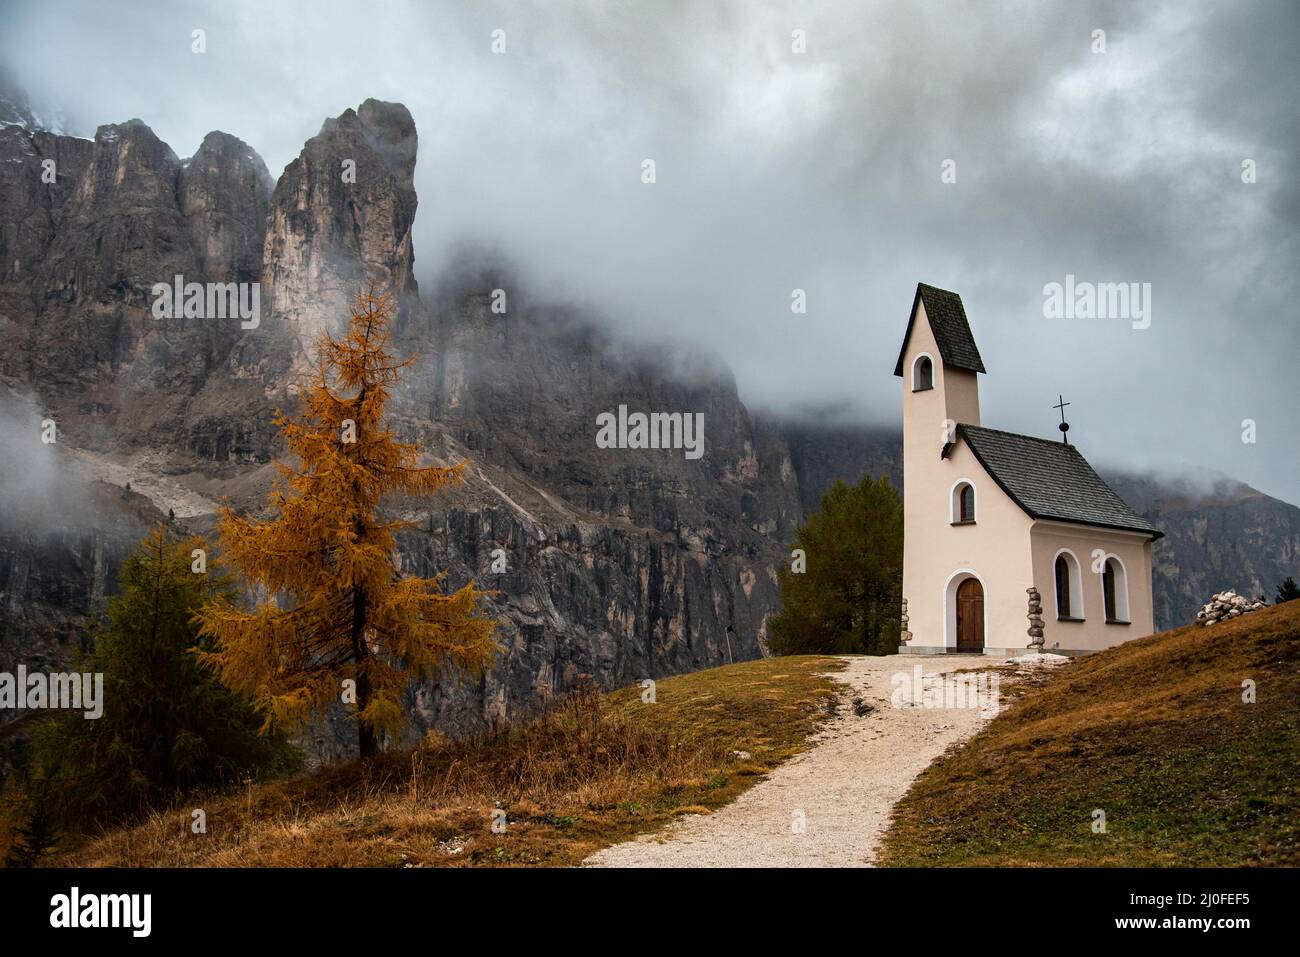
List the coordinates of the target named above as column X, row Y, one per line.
column 1064, row 426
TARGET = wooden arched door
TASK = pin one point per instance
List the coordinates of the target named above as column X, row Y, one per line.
column 970, row 616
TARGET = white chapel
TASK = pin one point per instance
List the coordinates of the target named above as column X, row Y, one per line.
column 1010, row 542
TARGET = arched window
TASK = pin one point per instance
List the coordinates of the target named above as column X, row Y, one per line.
column 1114, row 589
column 922, row 373
column 1069, row 587
column 963, row 503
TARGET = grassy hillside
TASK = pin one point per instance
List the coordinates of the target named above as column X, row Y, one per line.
column 594, row 770
column 1155, row 734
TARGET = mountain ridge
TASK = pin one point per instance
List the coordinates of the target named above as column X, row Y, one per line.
column 621, row 568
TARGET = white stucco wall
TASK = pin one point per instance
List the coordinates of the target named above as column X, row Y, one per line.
column 1093, row 633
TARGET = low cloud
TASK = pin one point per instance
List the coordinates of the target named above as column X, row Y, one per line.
column 34, row 489
column 818, row 171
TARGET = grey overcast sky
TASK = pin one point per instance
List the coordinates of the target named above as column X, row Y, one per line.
column 819, row 170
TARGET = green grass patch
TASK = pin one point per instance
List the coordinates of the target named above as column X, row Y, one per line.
column 593, row 770
column 1155, row 735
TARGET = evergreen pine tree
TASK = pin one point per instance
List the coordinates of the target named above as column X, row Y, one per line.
column 168, row 726
column 1287, row 591
column 37, row 836
column 848, row 600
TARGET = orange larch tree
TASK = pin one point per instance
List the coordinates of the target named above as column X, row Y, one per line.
column 338, row 608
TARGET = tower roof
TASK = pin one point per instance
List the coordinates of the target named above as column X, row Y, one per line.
column 951, row 330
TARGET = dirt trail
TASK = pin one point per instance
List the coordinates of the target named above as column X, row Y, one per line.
column 844, row 786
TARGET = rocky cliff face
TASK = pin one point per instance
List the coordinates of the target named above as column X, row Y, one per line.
column 38, row 171
column 84, row 254
column 341, row 215
column 825, row 454
column 223, row 192
column 121, row 229
column 620, row 564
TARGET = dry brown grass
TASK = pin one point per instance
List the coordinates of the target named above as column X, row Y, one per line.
column 1155, row 734
column 593, row 770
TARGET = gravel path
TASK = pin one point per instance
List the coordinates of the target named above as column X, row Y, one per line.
column 844, row 786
